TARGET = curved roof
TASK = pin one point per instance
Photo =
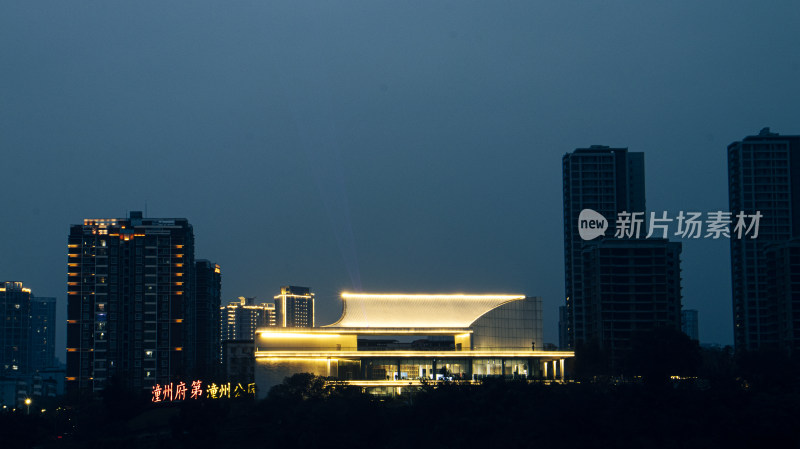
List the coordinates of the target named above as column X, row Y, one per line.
column 416, row 311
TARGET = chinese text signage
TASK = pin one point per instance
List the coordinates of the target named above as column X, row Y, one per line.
column 688, row 225
column 180, row 391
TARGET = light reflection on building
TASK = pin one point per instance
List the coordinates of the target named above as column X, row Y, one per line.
column 294, row 307
column 239, row 319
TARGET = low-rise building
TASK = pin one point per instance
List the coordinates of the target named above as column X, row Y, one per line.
column 383, row 342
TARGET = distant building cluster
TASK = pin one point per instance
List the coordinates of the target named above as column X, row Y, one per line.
column 616, row 287
column 142, row 311
column 293, row 307
column 28, row 367
column 239, row 321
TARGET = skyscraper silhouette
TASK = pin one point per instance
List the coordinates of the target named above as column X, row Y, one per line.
column 43, row 333
column 617, row 287
column 606, row 180
column 764, row 178
column 206, row 354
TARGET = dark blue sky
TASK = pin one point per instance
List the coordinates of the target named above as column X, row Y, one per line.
column 409, row 146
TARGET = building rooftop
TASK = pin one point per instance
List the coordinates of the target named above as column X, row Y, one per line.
column 393, row 311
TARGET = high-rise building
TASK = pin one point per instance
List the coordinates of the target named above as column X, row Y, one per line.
column 42, row 333
column 15, row 306
column 618, row 287
column 208, row 287
column 764, row 180
column 240, row 319
column 608, row 181
column 690, row 324
column 783, row 270
column 295, row 307
column 631, row 287
column 131, row 305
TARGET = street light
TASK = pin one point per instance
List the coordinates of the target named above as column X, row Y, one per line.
column 28, row 403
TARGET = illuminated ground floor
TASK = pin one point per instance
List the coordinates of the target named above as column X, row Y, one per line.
column 393, row 341
column 378, row 370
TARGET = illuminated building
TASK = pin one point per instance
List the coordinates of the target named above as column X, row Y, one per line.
column 240, row 319
column 764, row 178
column 382, row 342
column 27, row 345
column 15, row 305
column 295, row 307
column 131, row 304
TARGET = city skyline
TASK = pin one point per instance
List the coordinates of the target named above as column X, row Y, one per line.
column 552, row 326
column 307, row 152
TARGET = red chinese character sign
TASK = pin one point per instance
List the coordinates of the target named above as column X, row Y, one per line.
column 197, row 389
column 176, row 392
column 180, row 392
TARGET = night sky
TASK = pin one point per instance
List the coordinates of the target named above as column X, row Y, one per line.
column 397, row 146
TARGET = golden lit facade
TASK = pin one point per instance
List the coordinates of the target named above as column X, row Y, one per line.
column 239, row 319
column 429, row 311
column 387, row 341
column 294, row 307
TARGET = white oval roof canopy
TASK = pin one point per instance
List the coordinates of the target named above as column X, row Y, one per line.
column 416, row 311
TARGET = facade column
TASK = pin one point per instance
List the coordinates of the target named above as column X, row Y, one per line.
column 544, row 365
column 561, row 362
